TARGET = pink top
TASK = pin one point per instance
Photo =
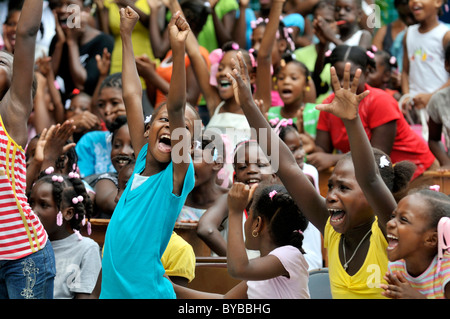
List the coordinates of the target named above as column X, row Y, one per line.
column 293, row 287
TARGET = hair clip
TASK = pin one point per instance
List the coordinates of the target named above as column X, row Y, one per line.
column 370, row 54
column 75, row 91
column 147, row 119
column 298, row 231
column 235, row 46
column 435, row 188
column 74, row 175
column 272, row 194
column 49, row 170
column 56, row 178
column 282, row 123
column 392, row 60
column 374, row 48
column 89, row 228
column 59, row 219
column 383, row 161
column 328, row 53
column 252, row 57
column 77, row 200
column 78, row 234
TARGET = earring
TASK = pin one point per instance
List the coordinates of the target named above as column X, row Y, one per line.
column 59, row 219
column 255, row 233
column 308, row 89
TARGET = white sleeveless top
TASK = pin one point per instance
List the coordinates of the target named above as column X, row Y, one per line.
column 426, row 59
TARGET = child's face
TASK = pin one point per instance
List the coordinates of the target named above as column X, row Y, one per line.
column 205, row 168
column 61, row 8
column 10, row 28
column 407, row 231
column 345, row 200
column 78, row 105
column 294, row 142
column 380, row 76
column 291, row 82
column 251, row 165
column 339, row 66
column 42, row 202
column 346, row 10
column 423, row 9
column 121, row 149
column 224, row 86
column 110, row 104
column 158, row 133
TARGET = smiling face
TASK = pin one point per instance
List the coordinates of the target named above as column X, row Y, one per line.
column 345, row 200
column 225, row 66
column 407, row 230
column 121, row 149
column 158, row 133
column 10, row 27
column 423, row 9
column 251, row 165
column 291, row 82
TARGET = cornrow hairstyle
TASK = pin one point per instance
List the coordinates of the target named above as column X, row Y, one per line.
column 396, row 176
column 355, row 54
column 112, row 81
column 285, row 220
column 438, row 203
column 65, row 191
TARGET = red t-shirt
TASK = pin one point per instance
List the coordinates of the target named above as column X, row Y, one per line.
column 376, row 109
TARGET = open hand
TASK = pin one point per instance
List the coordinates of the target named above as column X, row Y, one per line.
column 128, row 20
column 240, row 80
column 346, row 101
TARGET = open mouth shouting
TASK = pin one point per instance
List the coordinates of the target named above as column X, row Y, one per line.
column 337, row 216
column 164, row 143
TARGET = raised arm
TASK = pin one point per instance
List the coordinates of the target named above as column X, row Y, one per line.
column 345, row 106
column 176, row 102
column 263, row 76
column 131, row 85
column 17, row 104
column 298, row 185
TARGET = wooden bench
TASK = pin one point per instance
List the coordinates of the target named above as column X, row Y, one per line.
column 98, row 227
column 211, row 275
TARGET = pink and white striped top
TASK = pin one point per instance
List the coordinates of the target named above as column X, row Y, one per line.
column 430, row 283
column 21, row 232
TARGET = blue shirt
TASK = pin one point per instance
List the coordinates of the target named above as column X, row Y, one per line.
column 138, row 234
column 94, row 153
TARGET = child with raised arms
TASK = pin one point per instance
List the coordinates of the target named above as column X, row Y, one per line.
column 155, row 193
column 417, row 228
column 353, row 232
column 275, row 227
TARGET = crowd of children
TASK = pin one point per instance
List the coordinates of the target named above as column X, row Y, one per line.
column 223, row 114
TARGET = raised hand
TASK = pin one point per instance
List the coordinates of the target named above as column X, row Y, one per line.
column 178, row 29
column 346, row 101
column 239, row 197
column 240, row 80
column 128, row 20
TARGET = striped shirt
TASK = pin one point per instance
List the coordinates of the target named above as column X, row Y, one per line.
column 21, row 232
column 429, row 283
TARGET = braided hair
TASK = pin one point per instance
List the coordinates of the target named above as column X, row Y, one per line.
column 285, row 220
column 355, row 54
column 67, row 188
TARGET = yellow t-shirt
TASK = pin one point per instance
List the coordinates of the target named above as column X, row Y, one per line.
column 365, row 284
column 139, row 37
column 179, row 258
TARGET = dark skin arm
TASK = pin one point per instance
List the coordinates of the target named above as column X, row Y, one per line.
column 292, row 177
column 345, row 106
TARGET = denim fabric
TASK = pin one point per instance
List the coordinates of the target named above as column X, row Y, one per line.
column 30, row 277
